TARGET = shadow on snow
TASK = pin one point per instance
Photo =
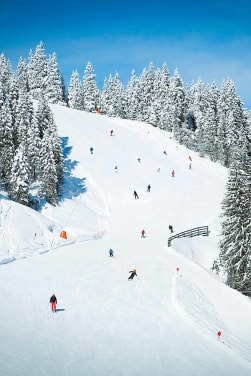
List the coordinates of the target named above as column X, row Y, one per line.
column 71, row 186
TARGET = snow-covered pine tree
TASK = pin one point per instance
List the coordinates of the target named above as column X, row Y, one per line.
column 32, row 144
column 132, row 97
column 106, row 100
column 19, row 177
column 91, row 99
column 6, row 137
column 75, row 92
column 57, row 153
column 211, row 120
column 23, row 119
column 178, row 105
column 55, row 89
column 38, row 71
column 118, row 97
column 5, row 73
column 232, row 123
column 51, row 142
column 22, row 75
column 48, row 176
column 235, row 244
column 14, row 96
column 146, row 85
column 206, row 135
column 155, row 106
column 163, row 98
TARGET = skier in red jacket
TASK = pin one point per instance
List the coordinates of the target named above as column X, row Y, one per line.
column 143, row 234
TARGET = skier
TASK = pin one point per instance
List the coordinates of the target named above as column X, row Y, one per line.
column 143, row 234
column 173, row 173
column 135, row 195
column 158, row 169
column 116, row 168
column 91, row 150
column 53, row 301
column 148, row 188
column 164, row 152
column 111, row 253
column 133, row 273
column 171, row 228
column 111, row 133
column 139, row 160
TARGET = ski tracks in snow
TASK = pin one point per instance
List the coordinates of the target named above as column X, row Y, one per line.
column 194, row 309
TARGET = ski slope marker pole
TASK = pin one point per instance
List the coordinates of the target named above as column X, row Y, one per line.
column 219, row 334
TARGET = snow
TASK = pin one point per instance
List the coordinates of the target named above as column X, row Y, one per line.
column 163, row 322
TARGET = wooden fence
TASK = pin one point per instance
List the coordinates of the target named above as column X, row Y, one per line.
column 203, row 230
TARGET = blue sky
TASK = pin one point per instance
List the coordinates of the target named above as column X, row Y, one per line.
column 206, row 39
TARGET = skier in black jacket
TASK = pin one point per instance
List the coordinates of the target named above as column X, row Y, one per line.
column 53, row 301
column 135, row 195
column 133, row 273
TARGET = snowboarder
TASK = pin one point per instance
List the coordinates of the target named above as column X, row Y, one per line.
column 171, row 228
column 133, row 273
column 148, row 188
column 111, row 132
column 91, row 150
column 53, row 301
column 135, row 195
column 173, row 173
column 143, row 234
column 111, row 253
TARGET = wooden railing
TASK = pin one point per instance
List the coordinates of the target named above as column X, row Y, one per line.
column 203, row 230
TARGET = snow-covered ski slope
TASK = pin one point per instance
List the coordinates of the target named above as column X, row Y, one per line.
column 162, row 323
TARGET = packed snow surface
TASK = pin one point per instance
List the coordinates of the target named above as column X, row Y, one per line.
column 165, row 321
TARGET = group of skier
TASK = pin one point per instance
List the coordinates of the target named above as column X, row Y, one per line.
column 135, row 194
column 133, row 272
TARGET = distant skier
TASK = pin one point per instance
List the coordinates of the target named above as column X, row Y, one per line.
column 148, row 188
column 173, row 173
column 171, row 228
column 91, row 150
column 116, row 168
column 143, row 234
column 139, row 160
column 53, row 301
column 111, row 253
column 158, row 169
column 111, row 133
column 133, row 273
column 190, row 166
column 135, row 195
column 164, row 152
